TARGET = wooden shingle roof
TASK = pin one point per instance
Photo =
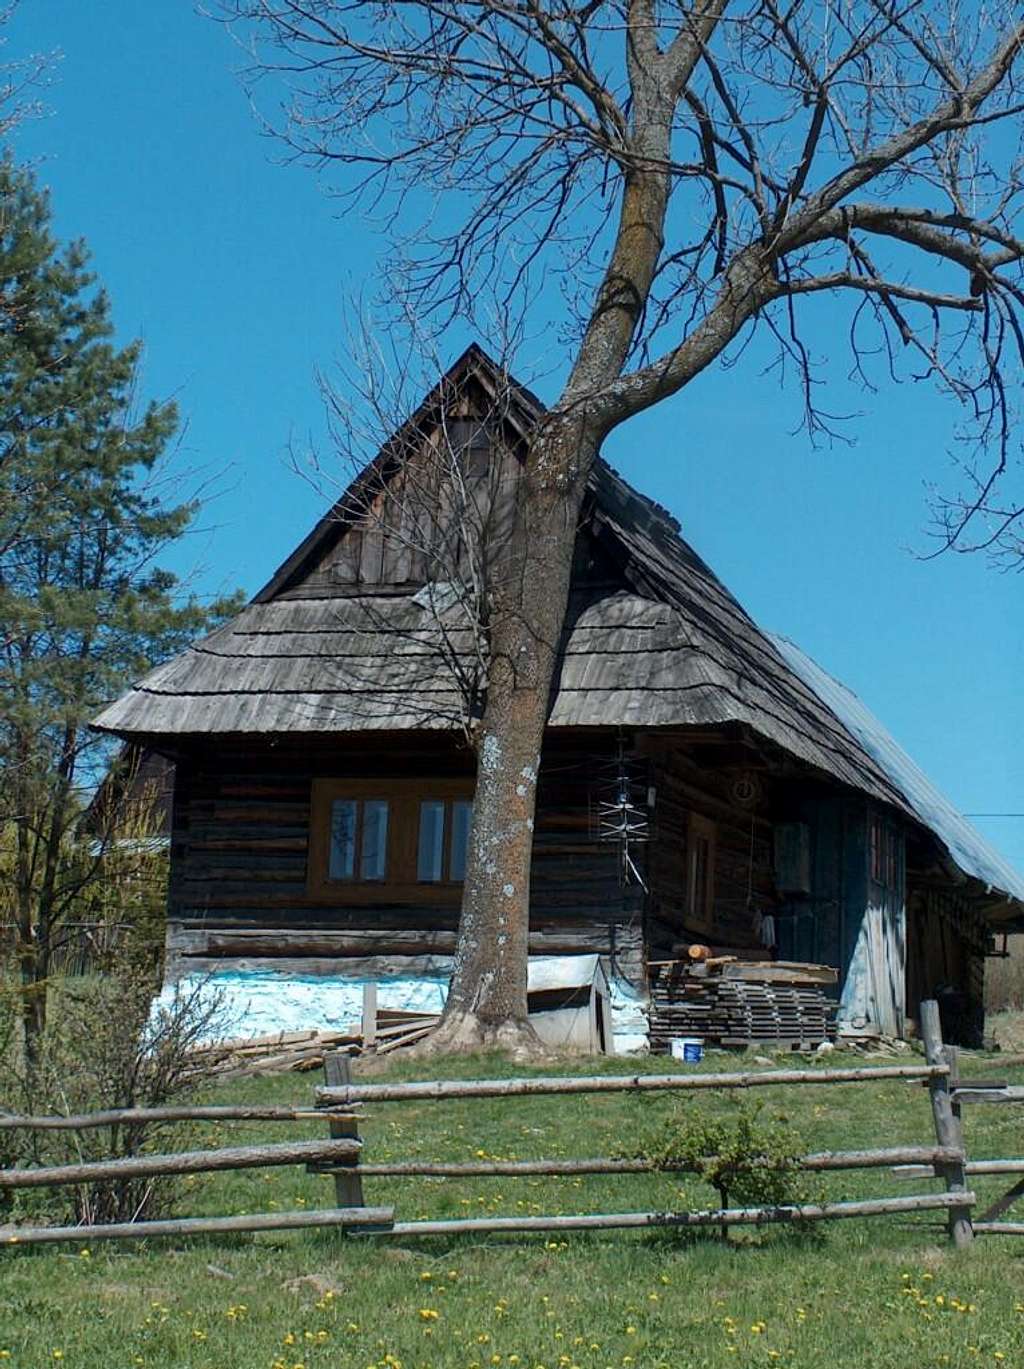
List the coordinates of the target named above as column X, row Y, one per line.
column 666, row 646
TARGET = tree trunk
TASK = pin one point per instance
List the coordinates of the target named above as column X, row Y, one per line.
column 31, row 953
column 487, row 1000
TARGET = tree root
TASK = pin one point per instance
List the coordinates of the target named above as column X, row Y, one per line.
column 462, row 1033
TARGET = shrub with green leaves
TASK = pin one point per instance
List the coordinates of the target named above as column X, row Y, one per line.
column 750, row 1157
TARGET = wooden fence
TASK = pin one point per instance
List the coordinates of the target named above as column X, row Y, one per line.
column 340, row 1102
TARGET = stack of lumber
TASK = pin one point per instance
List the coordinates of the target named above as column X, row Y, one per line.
column 729, row 1002
column 295, row 1050
column 304, row 1050
column 394, row 1029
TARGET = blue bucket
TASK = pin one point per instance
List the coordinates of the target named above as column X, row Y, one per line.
column 688, row 1049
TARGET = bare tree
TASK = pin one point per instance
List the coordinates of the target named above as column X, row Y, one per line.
column 434, row 485
column 686, row 173
column 20, row 79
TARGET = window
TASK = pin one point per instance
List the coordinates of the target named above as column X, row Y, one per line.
column 388, row 840
column 443, row 840
column 358, row 839
column 884, row 864
column 700, row 871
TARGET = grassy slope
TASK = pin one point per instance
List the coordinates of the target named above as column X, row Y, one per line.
column 876, row 1293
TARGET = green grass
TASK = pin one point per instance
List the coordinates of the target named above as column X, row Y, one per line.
column 879, row 1292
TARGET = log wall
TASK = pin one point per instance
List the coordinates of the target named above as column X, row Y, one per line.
column 743, row 862
column 239, row 852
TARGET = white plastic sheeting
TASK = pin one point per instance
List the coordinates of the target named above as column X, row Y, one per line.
column 259, row 1002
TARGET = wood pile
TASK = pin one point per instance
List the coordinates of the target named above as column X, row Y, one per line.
column 729, row 1002
column 304, row 1050
column 278, row 1052
column 394, row 1029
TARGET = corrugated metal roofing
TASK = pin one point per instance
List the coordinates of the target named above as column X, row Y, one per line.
column 966, row 846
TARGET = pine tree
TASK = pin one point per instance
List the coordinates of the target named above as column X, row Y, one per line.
column 83, row 605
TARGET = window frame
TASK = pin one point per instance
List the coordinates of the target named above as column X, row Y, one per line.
column 704, row 829
column 886, row 858
column 400, row 883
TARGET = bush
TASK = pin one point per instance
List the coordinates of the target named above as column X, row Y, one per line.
column 107, row 1047
column 750, row 1159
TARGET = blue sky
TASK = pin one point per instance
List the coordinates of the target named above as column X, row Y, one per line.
column 236, row 270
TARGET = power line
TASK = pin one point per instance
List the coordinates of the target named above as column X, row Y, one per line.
column 994, row 815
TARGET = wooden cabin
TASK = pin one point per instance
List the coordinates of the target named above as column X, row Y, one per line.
column 700, row 779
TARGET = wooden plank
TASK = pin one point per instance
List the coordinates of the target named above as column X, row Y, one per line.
column 948, row 1131
column 972, row 1167
column 184, row 1162
column 614, row 1083
column 369, row 1015
column 1011, row 1093
column 1004, row 1203
column 999, row 1229
column 198, row 1226
column 348, row 1184
column 749, row 1216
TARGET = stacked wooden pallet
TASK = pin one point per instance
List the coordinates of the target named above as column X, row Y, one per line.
column 739, row 1004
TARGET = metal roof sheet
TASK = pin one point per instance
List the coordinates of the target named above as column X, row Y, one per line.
column 968, row 848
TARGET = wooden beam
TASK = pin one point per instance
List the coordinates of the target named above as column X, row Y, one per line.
column 348, row 1183
column 185, row 1162
column 948, row 1131
column 84, row 1121
column 1009, row 1093
column 1004, row 1203
column 439, row 1089
column 369, row 1015
column 927, row 1171
column 198, row 1226
column 822, row 1161
column 747, row 1216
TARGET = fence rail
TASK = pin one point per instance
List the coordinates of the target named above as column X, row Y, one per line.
column 85, row 1121
column 182, row 1162
column 441, row 1089
column 341, row 1157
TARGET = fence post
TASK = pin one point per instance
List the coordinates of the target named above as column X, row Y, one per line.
column 369, row 1018
column 948, row 1128
column 348, row 1182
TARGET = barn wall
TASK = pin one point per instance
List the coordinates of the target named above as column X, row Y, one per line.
column 743, row 874
column 947, row 940
column 239, row 852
